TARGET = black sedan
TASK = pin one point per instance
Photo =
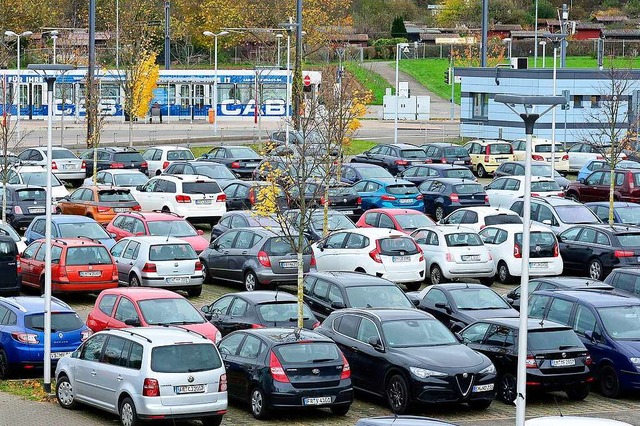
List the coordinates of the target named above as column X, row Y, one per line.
column 443, row 196
column 354, row 172
column 393, row 157
column 257, row 309
column 594, row 250
column 114, row 157
column 325, row 292
column 278, row 368
column 420, row 173
column 245, row 194
column 24, row 203
column 457, row 305
column 447, row 153
column 408, row 356
column 557, row 358
column 241, row 219
column 314, row 221
column 241, row 160
column 342, row 197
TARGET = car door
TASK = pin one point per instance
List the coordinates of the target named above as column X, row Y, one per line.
column 369, row 360
column 346, row 327
column 27, row 262
column 146, row 193
column 430, row 191
column 235, row 319
column 240, row 253
column 247, row 361
column 435, row 302
column 317, row 291
column 236, row 376
column 588, row 328
column 84, row 386
column 123, row 269
column 125, row 310
column 350, row 257
column 328, row 251
column 497, row 345
column 495, row 192
column 73, row 204
column 109, row 371
column 37, row 265
column 218, row 312
column 217, row 259
column 594, row 185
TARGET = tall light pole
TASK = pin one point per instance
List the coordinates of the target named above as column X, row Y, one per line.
column 553, row 115
column 215, row 76
column 278, row 37
column 18, row 37
column 54, row 37
column 395, row 120
column 543, row 43
column 535, row 38
column 118, row 36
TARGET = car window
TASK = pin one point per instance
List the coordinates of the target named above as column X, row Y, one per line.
column 230, row 344
column 456, row 217
column 336, row 241
column 40, row 254
column 238, row 307
column 335, row 295
column 497, row 184
column 114, row 351
column 126, row 310
column 367, row 330
column 434, row 296
column 584, row 321
column 226, row 241
column 471, row 217
column 512, row 185
column 116, row 250
column 221, row 305
column 106, row 303
column 92, row 349
column 30, row 251
column 475, row 333
column 251, row 348
column 538, row 305
column 348, row 325
column 570, row 234
column 371, row 219
column 560, row 311
column 626, row 282
column 497, row 336
column 244, row 240
column 602, row 238
column 320, row 289
column 594, row 178
column 193, row 357
column 356, row 241
column 587, row 235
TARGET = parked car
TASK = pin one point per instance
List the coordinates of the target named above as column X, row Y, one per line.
column 216, row 171
column 326, row 292
column 242, row 219
column 393, row 157
column 22, row 333
column 341, row 197
column 241, row 160
column 245, row 194
column 396, row 420
column 384, row 253
column 163, row 262
column 573, row 421
column 160, row 157
column 556, row 358
column 78, row 265
column 64, row 163
column 402, row 220
column 597, row 185
column 447, row 153
column 623, row 212
column 422, row 172
column 379, row 193
column 256, row 257
column 281, row 368
column 257, row 309
column 445, row 195
column 10, row 267
column 407, row 356
column 23, row 204
column 541, row 151
column 98, row 202
column 69, row 226
column 581, row 152
column 6, row 229
column 113, row 157
column 125, row 178
column 476, row 218
column 600, row 164
column 314, row 219
column 354, row 172
column 457, row 305
column 502, row 191
column 452, row 252
column 145, row 374
column 625, row 280
column 538, row 168
column 35, row 176
column 594, row 250
column 557, row 213
column 487, row 154
column 287, row 170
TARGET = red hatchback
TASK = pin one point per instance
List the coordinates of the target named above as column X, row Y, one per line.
column 77, row 265
column 131, row 224
column 144, row 306
column 403, row 220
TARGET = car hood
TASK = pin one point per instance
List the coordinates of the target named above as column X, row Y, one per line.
column 442, row 358
column 631, row 346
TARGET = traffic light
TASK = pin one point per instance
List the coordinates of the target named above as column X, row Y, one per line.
column 447, row 76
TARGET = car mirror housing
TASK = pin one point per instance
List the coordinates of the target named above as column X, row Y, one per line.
column 444, row 306
column 337, row 305
column 133, row 322
column 376, row 344
column 138, row 187
column 200, row 232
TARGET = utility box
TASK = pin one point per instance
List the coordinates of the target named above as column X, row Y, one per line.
column 423, row 108
column 519, row 63
column 406, row 107
column 403, row 89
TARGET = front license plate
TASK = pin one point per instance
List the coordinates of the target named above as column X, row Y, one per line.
column 121, row 209
column 289, row 264
column 90, row 273
column 180, row 390
column 36, row 209
column 482, row 388
column 471, row 258
column 58, row 355
column 563, row 362
column 402, row 258
column 178, row 280
column 538, row 265
column 406, row 201
column 317, row 401
column 204, row 201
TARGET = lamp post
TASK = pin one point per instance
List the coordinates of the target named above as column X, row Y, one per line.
column 529, row 116
column 278, row 37
column 18, row 37
column 49, row 72
column 544, row 52
column 535, row 37
column 395, row 120
column 215, row 76
column 508, row 41
column 54, row 37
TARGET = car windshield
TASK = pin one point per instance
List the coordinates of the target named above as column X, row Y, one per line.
column 88, row 255
column 402, row 189
column 545, row 186
column 60, row 322
column 462, row 239
column 455, row 151
column 173, row 228
column 621, row 322
column 378, row 296
column 477, row 298
column 373, row 172
column 413, row 221
column 128, row 157
column 542, row 170
column 192, row 357
column 576, row 214
column 169, row 311
column 115, row 196
column 545, row 340
column 201, row 187
column 413, row 153
column 307, row 352
column 163, row 252
column 31, row 194
column 459, row 174
column 38, row 179
column 336, row 221
column 83, row 229
column 214, row 171
column 547, row 148
column 629, row 215
column 130, row 179
column 468, row 188
column 242, row 152
column 58, row 154
column 273, row 312
column 417, row 333
column 498, row 219
column 629, row 240
column 500, row 148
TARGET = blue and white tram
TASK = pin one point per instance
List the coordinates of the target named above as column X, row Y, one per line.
column 180, row 94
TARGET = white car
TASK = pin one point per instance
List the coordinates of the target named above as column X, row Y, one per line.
column 385, row 253
column 160, row 157
column 580, row 153
column 505, row 245
column 126, row 178
column 541, row 151
column 476, row 218
column 64, row 163
column 193, row 197
column 455, row 252
column 503, row 191
column 36, row 176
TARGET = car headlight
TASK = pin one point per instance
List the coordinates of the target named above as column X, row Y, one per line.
column 490, row 369
column 635, row 361
column 423, row 373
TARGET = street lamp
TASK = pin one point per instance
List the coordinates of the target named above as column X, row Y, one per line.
column 18, row 37
column 278, row 37
column 543, row 43
column 215, row 77
column 395, row 121
column 529, row 116
column 49, row 72
column 508, row 41
column 54, row 37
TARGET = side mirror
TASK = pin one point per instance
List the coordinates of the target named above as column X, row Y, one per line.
column 112, row 234
column 139, row 187
column 459, row 337
column 376, row 344
column 215, row 245
column 200, row 232
column 337, row 305
column 206, row 309
column 133, row 322
column 560, row 238
column 547, row 222
column 444, row 306
column 415, row 301
column 139, row 234
column 594, row 336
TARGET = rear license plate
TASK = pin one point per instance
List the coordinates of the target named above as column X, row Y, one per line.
column 471, row 258
column 459, row 162
column 180, row 390
column 406, row 201
column 68, row 167
column 204, row 201
column 90, row 273
column 482, row 388
column 288, row 263
column 500, row 160
column 538, row 265
column 177, row 280
column 402, row 258
column 317, row 401
column 121, row 209
column 563, row 362
column 346, row 211
column 58, row 355
column 36, row 209
column 251, row 165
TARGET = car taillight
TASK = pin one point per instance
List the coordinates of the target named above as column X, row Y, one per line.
column 346, row 368
column 387, row 197
column 54, row 166
column 149, row 267
column 165, row 165
column 322, row 201
column 375, row 253
column 449, row 257
column 315, row 325
column 312, row 262
column 17, row 210
column 537, row 158
column 560, row 194
column 252, row 196
column 222, row 387
column 277, row 372
column 517, row 251
column 359, row 200
column 150, row 387
column 486, row 158
column 531, row 362
column 599, row 157
column 144, row 165
column 556, row 250
column 419, row 251
column 443, row 160
column 258, row 326
column 565, row 157
column 263, row 258
column 486, row 199
column 114, row 273
column 221, row 198
column 533, row 194
column 103, row 209
column 62, row 274
column 136, row 208
column 454, row 197
column 428, row 161
column 235, row 165
column 183, row 198
column 117, row 166
column 18, row 264
column 83, row 165
column 84, row 335
column 623, row 253
column 26, row 338
column 588, row 360
column 487, row 150
column 198, row 265
column 401, row 162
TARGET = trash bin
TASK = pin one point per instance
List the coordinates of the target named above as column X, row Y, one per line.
column 155, row 112
column 212, row 118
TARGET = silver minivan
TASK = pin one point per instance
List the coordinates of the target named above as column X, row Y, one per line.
column 146, row 373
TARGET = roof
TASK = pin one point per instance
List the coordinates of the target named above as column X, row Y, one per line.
column 389, row 181
column 621, row 33
column 67, row 218
column 75, row 242
column 598, row 299
column 522, row 177
column 532, row 323
column 616, row 228
column 401, row 421
column 152, row 239
column 615, row 204
column 122, row 171
column 555, row 201
column 35, row 304
column 441, row 166
column 288, row 335
column 263, row 296
column 359, row 165
column 162, row 334
column 454, row 181
column 487, row 141
column 403, row 145
column 518, row 227
column 506, row 27
column 575, row 282
column 457, row 285
column 351, row 279
column 440, row 144
column 378, row 232
column 448, row 229
column 487, row 210
column 395, row 211
column 168, row 147
column 153, row 216
column 433, row 36
column 17, row 186
column 189, row 178
column 143, row 293
column 390, row 313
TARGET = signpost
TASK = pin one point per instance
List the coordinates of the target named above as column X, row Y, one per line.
column 450, row 75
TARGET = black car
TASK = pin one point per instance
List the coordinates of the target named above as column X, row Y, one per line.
column 594, row 250
column 279, row 368
column 557, row 359
column 556, row 283
column 115, row 157
column 625, row 280
column 24, row 203
column 245, row 194
column 408, row 356
column 538, row 168
column 447, row 153
column 393, row 157
column 443, row 196
column 420, row 173
column 457, row 305
column 325, row 292
column 10, row 271
column 257, row 309
column 336, row 221
column 241, row 160
column 241, row 219
column 342, row 197
column 286, row 170
column 210, row 169
column 354, row 172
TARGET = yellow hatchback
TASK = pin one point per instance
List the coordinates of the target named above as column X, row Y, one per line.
column 487, row 155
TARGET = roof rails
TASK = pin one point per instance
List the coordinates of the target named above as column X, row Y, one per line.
column 128, row 331
column 185, row 329
column 84, row 237
column 58, row 240
column 13, row 303
column 135, row 212
column 165, row 212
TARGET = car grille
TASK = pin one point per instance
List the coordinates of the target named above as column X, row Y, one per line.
column 464, row 383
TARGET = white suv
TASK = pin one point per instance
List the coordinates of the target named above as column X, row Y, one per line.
column 64, row 163
column 146, row 373
column 193, row 197
column 160, row 157
column 36, row 176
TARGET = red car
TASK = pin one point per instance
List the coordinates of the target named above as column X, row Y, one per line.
column 144, row 306
column 403, row 220
column 596, row 186
column 77, row 265
column 159, row 224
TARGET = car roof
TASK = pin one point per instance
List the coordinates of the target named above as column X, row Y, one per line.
column 533, row 178
column 152, row 239
column 577, row 282
column 122, row 171
column 153, row 216
column 521, row 162
column 143, row 293
column 518, row 227
column 595, row 298
column 168, row 147
column 75, row 242
column 187, row 178
column 454, row 181
column 615, row 204
column 555, row 201
column 458, row 285
column 394, row 211
column 17, row 186
column 288, row 335
column 31, row 304
column 385, row 314
column 351, row 279
column 361, row 165
column 403, row 145
column 616, row 228
column 200, row 162
column 388, row 181
column 263, row 296
column 376, row 232
column 447, row 229
column 532, row 323
column 441, row 144
column 161, row 334
column 67, row 218
column 489, row 141
column 487, row 210
column 440, row 166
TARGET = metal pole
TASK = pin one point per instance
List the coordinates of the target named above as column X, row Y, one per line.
column 297, row 102
column 453, row 85
column 288, row 100
column 535, row 38
column 485, row 28
column 395, row 120
column 278, row 53
column 215, row 85
column 18, row 133
column 91, row 72
column 167, row 37
column 117, row 34
column 54, row 38
column 563, row 42
column 553, row 120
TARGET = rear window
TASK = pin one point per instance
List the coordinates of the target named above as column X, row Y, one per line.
column 60, row 322
column 459, row 174
column 395, row 246
column 342, row 191
column 279, row 312
column 89, row 255
column 8, row 250
column 280, row 246
column 547, row 148
column 304, row 353
column 193, row 357
column 545, row 186
column 456, row 151
column 628, row 240
column 171, row 252
column 402, row 189
column 463, row 239
column 114, row 196
column 378, row 296
column 544, row 340
column 500, row 148
column 200, row 188
column 413, row 153
column 214, row 171
column 62, row 153
column 128, row 157
column 539, row 238
column 183, row 154
column 468, row 188
column 243, row 153
column 31, row 194
column 498, row 219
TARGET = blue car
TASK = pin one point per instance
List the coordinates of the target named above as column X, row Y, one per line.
column 389, row 193
column 354, row 172
column 623, row 212
column 444, row 195
column 422, row 172
column 22, row 333
column 69, row 226
column 598, row 164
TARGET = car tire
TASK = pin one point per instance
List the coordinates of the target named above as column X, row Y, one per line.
column 194, row 291
column 479, row 404
column 503, row 274
column 439, row 214
column 127, row 412
column 134, row 281
column 5, row 367
column 258, row 404
column 206, row 274
column 211, row 421
column 64, row 393
column 609, row 382
column 488, row 281
column 507, row 388
column 481, row 172
column 397, row 392
column 595, row 270
column 413, row 286
column 251, row 281
column 578, row 393
column 340, row 410
column 436, row 276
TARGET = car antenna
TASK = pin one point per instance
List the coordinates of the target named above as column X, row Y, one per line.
column 169, row 233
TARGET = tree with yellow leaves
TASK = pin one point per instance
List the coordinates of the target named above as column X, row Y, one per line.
column 144, row 81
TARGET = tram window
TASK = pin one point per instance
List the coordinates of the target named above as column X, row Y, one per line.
column 225, row 92
column 36, row 95
column 271, row 92
column 198, row 95
column 184, row 96
column 24, row 94
column 245, row 93
column 109, row 91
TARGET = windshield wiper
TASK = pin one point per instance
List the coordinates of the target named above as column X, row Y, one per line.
column 180, row 322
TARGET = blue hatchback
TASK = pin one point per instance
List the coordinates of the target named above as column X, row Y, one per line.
column 599, row 163
column 22, row 333
column 445, row 195
column 69, row 226
column 389, row 193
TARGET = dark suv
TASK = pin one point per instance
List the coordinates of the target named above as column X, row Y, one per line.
column 393, row 157
column 447, row 153
column 114, row 158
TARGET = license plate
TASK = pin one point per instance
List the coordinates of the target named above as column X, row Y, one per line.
column 90, row 273
column 121, row 209
column 402, row 258
column 406, row 201
column 204, row 201
column 346, row 211
column 563, row 362
column 177, row 280
column 471, row 258
column 459, row 162
column 482, row 388
column 538, row 264
column 58, row 355
column 68, row 167
column 317, row 401
column 180, row 390
column 36, row 210
column 500, row 160
column 289, row 264
column 251, row 165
